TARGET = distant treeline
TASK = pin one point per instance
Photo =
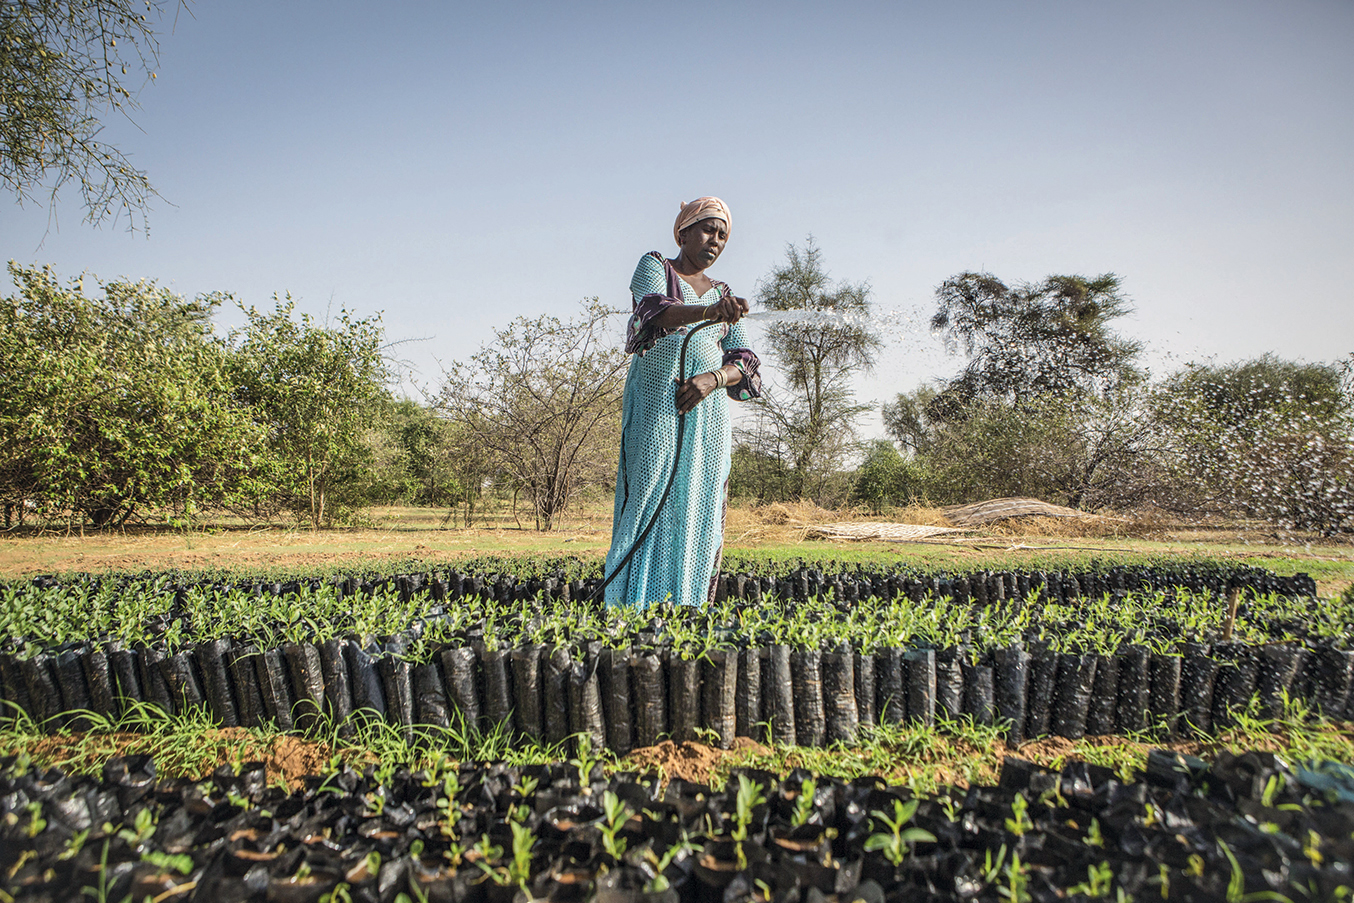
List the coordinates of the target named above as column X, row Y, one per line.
column 126, row 406
column 1052, row 403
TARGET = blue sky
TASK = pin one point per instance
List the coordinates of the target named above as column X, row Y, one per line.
column 455, row 165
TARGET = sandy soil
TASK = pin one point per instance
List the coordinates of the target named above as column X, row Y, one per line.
column 411, row 533
column 288, row 759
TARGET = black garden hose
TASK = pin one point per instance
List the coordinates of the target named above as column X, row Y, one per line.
column 672, row 476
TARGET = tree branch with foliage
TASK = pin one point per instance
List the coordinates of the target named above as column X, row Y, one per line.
column 1030, row 340
column 64, row 66
column 114, row 404
column 315, row 389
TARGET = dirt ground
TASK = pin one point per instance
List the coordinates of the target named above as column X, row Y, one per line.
column 289, row 759
column 405, row 533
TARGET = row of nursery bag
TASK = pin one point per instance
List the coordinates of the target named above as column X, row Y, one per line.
column 624, row 698
column 806, row 608
column 982, row 587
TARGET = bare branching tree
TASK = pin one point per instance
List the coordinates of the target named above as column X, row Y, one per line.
column 812, row 414
column 544, row 400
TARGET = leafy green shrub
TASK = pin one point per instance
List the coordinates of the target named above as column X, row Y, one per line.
column 885, row 478
column 113, row 404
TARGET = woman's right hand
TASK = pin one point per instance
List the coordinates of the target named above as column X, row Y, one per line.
column 728, row 309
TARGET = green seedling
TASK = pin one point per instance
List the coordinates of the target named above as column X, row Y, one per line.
column 519, row 872
column 75, row 845
column 36, row 823
column 526, row 787
column 179, row 862
column 585, row 763
column 1312, row 848
column 1020, row 822
column 659, row 882
column 992, row 867
column 1099, row 879
column 100, row 892
column 804, row 803
column 1016, row 888
column 342, row 893
column 897, row 842
column 614, row 816
column 1236, row 884
column 142, row 830
column 1093, row 836
column 749, row 798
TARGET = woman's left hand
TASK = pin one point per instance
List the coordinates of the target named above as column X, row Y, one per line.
column 693, row 391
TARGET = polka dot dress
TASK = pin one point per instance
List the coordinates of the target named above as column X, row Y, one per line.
column 681, row 553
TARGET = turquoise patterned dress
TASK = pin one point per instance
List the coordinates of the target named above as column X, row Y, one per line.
column 681, row 555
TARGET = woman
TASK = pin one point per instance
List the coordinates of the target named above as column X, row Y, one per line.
column 679, row 559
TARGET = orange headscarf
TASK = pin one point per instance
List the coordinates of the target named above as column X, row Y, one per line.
column 699, row 209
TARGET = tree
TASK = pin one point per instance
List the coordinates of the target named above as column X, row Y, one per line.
column 758, row 471
column 111, row 405
column 65, row 65
column 1264, row 438
column 426, row 441
column 543, row 400
column 315, row 389
column 906, row 419
column 886, row 478
column 1049, row 404
column 1085, row 451
column 411, row 448
column 1027, row 341
column 812, row 418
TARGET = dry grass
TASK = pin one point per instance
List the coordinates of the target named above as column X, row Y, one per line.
column 395, row 534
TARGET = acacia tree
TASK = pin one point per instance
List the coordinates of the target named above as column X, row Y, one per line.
column 810, row 420
column 1031, row 340
column 113, row 404
column 1050, row 402
column 64, row 66
column 314, row 388
column 544, row 401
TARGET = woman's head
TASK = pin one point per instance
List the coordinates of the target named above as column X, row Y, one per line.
column 701, row 230
column 693, row 212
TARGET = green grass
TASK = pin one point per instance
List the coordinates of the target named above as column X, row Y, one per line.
column 925, row 759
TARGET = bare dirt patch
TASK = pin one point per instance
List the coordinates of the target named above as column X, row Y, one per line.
column 947, row 761
column 287, row 759
column 692, row 761
column 273, row 549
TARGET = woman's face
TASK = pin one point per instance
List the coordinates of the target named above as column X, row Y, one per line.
column 703, row 242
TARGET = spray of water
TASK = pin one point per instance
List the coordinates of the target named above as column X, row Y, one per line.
column 904, row 328
column 894, row 326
